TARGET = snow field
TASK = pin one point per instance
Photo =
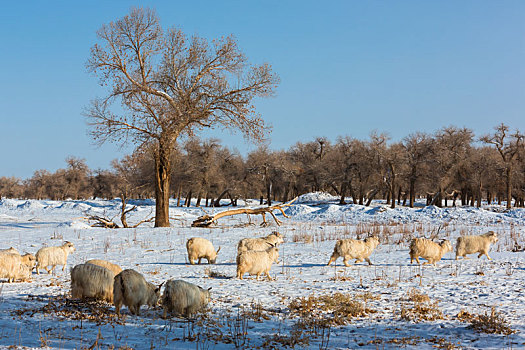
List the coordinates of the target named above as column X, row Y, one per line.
column 32, row 313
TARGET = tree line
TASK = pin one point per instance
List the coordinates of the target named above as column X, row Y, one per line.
column 448, row 167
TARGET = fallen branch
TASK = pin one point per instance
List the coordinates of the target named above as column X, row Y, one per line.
column 207, row 220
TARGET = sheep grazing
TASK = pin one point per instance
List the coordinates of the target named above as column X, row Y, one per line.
column 429, row 250
column 92, row 281
column 247, row 244
column 199, row 248
column 131, row 289
column 183, row 298
column 53, row 256
column 475, row 244
column 28, row 260
column 110, row 266
column 354, row 249
column 256, row 262
column 12, row 268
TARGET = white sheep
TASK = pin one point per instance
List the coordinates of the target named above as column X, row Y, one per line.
column 131, row 289
column 12, row 268
column 199, row 248
column 92, row 281
column 27, row 259
column 475, row 244
column 110, row 266
column 53, row 256
column 256, row 262
column 429, row 250
column 261, row 243
column 183, row 298
column 354, row 249
column 9, row 250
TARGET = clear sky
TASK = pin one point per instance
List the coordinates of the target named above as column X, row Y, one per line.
column 346, row 68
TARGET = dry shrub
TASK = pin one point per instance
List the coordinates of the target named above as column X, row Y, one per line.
column 329, row 309
column 413, row 340
column 415, row 296
column 420, row 308
column 491, row 323
column 214, row 274
column 441, row 343
column 72, row 309
column 302, row 238
column 256, row 313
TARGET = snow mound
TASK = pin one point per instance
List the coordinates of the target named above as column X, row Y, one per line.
column 74, row 206
column 30, row 205
column 299, row 210
column 4, row 217
column 74, row 224
column 316, row 197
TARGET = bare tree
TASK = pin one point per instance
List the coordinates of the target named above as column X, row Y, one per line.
column 508, row 146
column 170, row 86
column 417, row 148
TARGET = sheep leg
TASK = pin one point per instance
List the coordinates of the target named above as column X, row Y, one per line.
column 333, row 258
column 63, row 268
column 358, row 261
column 137, row 310
column 484, row 253
column 117, row 308
column 368, row 261
column 268, row 275
column 199, row 261
column 165, row 313
column 192, row 262
column 257, row 276
column 345, row 261
column 427, row 262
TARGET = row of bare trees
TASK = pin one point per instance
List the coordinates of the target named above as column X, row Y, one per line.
column 447, row 167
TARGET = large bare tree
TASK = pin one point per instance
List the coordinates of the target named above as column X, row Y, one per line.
column 166, row 85
column 508, row 145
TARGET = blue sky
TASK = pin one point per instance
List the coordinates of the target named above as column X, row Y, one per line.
column 346, row 68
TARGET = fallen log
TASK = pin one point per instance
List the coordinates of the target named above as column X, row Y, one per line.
column 207, row 220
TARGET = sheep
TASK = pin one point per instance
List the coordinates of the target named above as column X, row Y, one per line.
column 28, row 260
column 429, row 250
column 183, row 298
column 12, row 268
column 256, row 262
column 475, row 244
column 9, row 250
column 199, row 248
column 92, row 281
column 110, row 266
column 247, row 244
column 52, row 256
column 131, row 289
column 354, row 249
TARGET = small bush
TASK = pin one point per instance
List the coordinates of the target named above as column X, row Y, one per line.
column 491, row 323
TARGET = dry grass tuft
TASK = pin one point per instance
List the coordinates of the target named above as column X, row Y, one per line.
column 491, row 323
column 420, row 308
column 72, row 309
column 329, row 309
column 214, row 274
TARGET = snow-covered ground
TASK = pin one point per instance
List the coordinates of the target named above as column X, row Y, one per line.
column 249, row 313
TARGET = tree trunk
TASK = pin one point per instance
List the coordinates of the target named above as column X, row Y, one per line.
column 179, row 193
column 188, row 199
column 343, row 192
column 508, row 173
column 199, row 197
column 162, row 183
column 412, row 194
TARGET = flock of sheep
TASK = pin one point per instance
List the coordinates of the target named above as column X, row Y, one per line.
column 106, row 281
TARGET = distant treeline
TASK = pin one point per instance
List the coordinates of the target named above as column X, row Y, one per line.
column 450, row 166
